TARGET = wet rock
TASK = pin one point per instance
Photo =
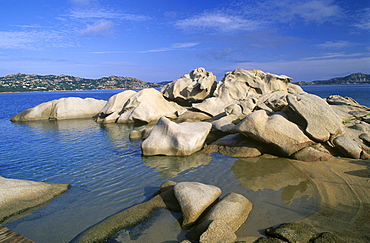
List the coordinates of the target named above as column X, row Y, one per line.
column 275, row 130
column 315, row 152
column 64, row 108
column 147, row 106
column 292, row 232
column 327, row 237
column 235, row 145
column 322, row 122
column 194, row 198
column 269, row 240
column 167, row 185
column 135, row 135
column 104, row 230
column 218, row 231
column 19, row 195
column 169, row 138
column 196, row 86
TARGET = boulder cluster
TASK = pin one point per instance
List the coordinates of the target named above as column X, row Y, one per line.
column 246, row 114
column 205, row 216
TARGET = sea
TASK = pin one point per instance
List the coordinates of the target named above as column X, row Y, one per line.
column 108, row 173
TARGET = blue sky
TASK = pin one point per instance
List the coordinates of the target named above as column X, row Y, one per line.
column 157, row 40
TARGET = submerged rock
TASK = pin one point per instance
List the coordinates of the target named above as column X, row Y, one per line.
column 17, row 196
column 170, row 138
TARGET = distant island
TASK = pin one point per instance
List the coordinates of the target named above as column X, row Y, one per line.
column 356, row 78
column 31, row 82
column 24, row 83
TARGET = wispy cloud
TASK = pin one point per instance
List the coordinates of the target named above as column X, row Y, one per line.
column 336, row 44
column 173, row 47
column 105, row 14
column 316, row 10
column 176, row 46
column 217, row 21
column 333, row 55
column 99, row 28
column 30, row 40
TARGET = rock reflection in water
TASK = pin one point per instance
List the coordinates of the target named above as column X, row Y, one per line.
column 276, row 174
column 169, row 167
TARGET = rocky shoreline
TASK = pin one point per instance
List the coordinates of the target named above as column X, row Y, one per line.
column 246, row 114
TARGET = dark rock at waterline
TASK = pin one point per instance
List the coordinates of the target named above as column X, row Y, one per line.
column 291, row 232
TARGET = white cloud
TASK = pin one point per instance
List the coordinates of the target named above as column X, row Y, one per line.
column 104, row 14
column 173, row 47
column 99, row 28
column 30, row 39
column 333, row 55
column 335, row 44
column 308, row 70
column 317, row 10
column 176, row 46
column 217, row 21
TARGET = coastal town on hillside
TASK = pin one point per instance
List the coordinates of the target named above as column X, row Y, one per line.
column 24, row 82
column 31, row 82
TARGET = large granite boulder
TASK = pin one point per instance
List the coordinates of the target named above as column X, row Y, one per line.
column 194, row 198
column 147, row 106
column 170, row 138
column 322, row 122
column 64, row 108
column 275, row 130
column 240, row 85
column 196, row 86
column 110, row 112
column 19, row 195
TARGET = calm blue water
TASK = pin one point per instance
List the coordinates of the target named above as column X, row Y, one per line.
column 108, row 173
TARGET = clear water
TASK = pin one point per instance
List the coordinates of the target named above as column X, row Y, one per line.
column 108, row 173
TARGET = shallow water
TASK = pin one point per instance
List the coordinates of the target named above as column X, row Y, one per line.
column 108, row 174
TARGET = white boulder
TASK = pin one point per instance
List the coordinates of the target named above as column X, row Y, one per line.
column 170, row 138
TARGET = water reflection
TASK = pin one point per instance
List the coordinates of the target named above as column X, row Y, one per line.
column 276, row 174
column 169, row 167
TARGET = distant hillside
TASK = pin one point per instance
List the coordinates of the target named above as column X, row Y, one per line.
column 356, row 78
column 24, row 82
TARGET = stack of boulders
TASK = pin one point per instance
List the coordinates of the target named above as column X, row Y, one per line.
column 207, row 218
column 246, row 114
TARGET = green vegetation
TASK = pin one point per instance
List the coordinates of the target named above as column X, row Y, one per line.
column 23, row 83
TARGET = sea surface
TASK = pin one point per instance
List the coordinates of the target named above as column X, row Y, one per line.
column 108, row 174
